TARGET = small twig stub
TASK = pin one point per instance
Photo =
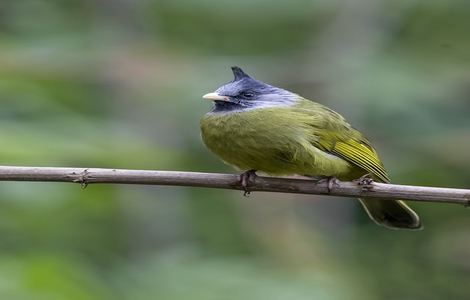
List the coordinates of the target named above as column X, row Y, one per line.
column 82, row 178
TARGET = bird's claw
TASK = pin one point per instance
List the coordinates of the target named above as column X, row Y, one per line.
column 331, row 182
column 365, row 181
column 245, row 179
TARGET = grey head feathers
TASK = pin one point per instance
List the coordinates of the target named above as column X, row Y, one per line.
column 246, row 93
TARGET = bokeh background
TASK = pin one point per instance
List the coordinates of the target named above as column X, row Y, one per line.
column 118, row 83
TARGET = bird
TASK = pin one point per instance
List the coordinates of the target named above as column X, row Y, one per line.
column 254, row 126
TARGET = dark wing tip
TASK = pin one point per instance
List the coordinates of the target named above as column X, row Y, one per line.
column 238, row 73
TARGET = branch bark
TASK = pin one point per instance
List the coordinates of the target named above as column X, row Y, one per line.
column 86, row 176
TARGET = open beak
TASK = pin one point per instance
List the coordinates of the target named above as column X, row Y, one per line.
column 215, row 97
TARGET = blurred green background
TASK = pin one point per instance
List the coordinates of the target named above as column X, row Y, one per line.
column 118, row 83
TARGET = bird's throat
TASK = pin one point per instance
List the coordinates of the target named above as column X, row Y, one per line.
column 225, row 106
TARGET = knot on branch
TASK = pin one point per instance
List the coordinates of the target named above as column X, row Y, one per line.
column 82, row 178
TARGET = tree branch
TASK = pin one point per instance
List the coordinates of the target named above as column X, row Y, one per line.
column 85, row 176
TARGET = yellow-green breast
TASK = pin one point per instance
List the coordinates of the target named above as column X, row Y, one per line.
column 277, row 140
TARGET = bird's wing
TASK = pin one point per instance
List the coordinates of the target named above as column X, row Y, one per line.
column 357, row 152
column 338, row 137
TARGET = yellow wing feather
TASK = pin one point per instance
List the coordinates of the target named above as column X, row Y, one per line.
column 363, row 156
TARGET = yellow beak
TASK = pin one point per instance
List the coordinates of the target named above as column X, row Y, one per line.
column 215, row 96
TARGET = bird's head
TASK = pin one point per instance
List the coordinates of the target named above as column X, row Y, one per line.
column 244, row 93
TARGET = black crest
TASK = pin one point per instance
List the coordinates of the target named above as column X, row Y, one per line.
column 238, row 73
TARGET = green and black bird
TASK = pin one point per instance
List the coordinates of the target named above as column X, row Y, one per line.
column 256, row 126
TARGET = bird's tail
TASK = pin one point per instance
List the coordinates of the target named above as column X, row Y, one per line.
column 393, row 214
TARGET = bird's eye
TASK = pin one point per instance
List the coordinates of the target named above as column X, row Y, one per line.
column 248, row 95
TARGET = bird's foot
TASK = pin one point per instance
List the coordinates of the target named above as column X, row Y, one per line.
column 331, row 182
column 245, row 179
column 365, row 181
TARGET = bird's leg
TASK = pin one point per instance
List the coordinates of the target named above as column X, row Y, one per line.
column 331, row 181
column 245, row 179
column 365, row 181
